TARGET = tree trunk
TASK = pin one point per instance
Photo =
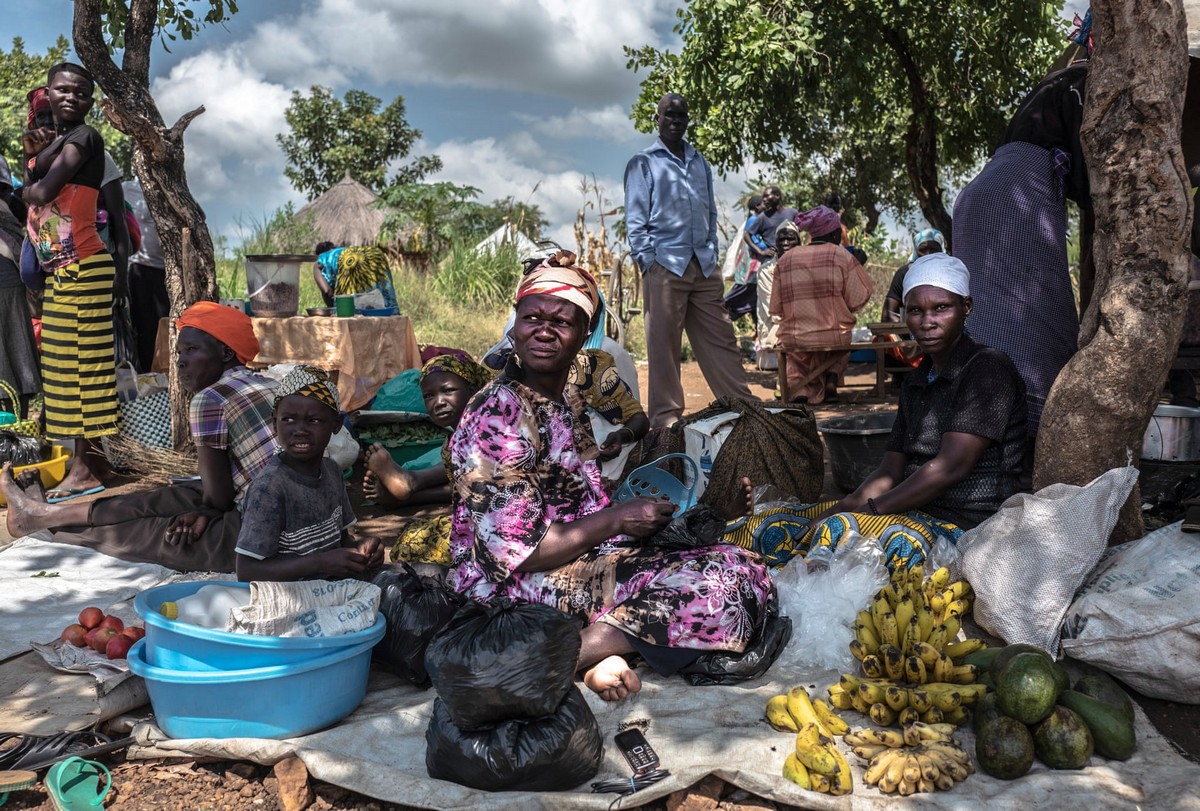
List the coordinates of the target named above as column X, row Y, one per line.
column 1098, row 409
column 920, row 151
column 158, row 160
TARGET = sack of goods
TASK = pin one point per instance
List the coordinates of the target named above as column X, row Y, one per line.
column 496, row 663
column 415, row 608
column 509, row 716
column 553, row 753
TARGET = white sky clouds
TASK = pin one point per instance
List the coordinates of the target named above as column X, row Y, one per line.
column 518, row 97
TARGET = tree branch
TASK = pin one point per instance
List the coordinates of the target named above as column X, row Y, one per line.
column 139, row 36
column 90, row 44
column 176, row 132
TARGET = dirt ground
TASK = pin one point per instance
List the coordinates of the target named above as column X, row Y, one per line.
column 223, row 785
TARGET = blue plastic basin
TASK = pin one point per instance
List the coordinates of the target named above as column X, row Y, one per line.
column 262, row 702
column 176, row 645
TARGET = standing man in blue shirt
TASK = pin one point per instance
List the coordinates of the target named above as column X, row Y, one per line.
column 671, row 218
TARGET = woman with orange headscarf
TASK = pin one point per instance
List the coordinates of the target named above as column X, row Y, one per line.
column 191, row 526
column 531, row 521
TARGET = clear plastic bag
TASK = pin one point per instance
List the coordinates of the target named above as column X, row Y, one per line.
column 823, row 600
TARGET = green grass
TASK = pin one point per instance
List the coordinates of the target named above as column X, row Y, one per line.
column 462, row 302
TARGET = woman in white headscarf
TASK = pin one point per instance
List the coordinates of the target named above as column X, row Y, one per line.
column 955, row 450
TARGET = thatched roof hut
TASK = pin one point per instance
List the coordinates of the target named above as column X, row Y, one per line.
column 348, row 214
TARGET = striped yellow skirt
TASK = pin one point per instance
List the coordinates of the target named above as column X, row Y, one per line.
column 78, row 367
column 782, row 533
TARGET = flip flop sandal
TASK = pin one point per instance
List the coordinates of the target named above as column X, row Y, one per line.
column 36, row 748
column 15, row 781
column 76, row 784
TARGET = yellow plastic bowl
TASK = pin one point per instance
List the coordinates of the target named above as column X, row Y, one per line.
column 53, row 470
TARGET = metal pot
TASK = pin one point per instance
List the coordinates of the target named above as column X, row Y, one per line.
column 1173, row 435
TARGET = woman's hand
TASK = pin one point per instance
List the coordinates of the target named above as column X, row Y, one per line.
column 642, row 517
column 186, row 528
column 613, row 443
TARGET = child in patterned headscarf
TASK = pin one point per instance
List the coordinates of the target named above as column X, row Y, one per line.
column 448, row 382
column 297, row 510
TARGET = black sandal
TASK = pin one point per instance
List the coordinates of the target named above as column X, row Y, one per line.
column 44, row 750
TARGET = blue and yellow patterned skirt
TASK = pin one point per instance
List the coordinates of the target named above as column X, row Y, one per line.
column 782, row 533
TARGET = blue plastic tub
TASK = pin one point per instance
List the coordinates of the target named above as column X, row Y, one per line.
column 178, row 645
column 263, row 702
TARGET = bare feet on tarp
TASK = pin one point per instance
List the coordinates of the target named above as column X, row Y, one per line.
column 612, row 678
column 374, row 491
column 395, row 480
column 24, row 508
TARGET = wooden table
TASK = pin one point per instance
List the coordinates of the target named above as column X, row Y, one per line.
column 880, row 349
column 366, row 351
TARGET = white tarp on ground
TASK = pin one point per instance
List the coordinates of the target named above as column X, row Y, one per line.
column 380, row 751
column 37, row 608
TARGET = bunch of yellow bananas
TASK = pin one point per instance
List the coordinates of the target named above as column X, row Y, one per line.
column 816, row 764
column 924, row 758
column 888, row 703
column 909, row 632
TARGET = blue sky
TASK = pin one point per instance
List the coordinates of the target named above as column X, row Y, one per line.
column 512, row 94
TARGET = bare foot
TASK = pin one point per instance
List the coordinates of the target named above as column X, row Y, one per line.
column 612, row 679
column 24, row 514
column 395, row 479
column 376, row 492
column 31, row 482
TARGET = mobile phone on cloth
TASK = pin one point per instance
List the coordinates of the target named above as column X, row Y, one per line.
column 638, row 752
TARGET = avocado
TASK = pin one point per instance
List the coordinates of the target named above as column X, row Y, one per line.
column 1004, row 748
column 1063, row 740
column 1112, row 731
column 1026, row 688
column 1103, row 688
column 982, row 659
column 1009, row 651
column 983, row 711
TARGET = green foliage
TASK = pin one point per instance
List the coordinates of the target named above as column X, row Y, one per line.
column 177, row 19
column 479, row 277
column 437, row 215
column 331, row 136
column 832, row 89
column 20, row 72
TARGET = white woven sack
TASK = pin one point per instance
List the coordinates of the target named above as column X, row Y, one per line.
column 1026, row 562
column 1138, row 616
column 307, row 608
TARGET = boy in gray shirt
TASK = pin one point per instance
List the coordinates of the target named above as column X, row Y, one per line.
column 297, row 512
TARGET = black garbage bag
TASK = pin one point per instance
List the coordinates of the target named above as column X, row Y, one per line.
column 415, row 608
column 553, row 753
column 493, row 663
column 723, row 668
column 700, row 526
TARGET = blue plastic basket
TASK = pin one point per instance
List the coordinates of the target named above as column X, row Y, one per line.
column 265, row 702
column 176, row 645
column 649, row 481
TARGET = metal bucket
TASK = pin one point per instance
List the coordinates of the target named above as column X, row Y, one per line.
column 856, row 445
column 273, row 284
column 1173, row 435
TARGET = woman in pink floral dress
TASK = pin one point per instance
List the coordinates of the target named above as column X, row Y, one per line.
column 532, row 523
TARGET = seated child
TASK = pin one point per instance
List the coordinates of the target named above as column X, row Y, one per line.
column 297, row 510
column 448, row 382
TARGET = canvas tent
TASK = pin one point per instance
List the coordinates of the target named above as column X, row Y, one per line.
column 507, row 233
